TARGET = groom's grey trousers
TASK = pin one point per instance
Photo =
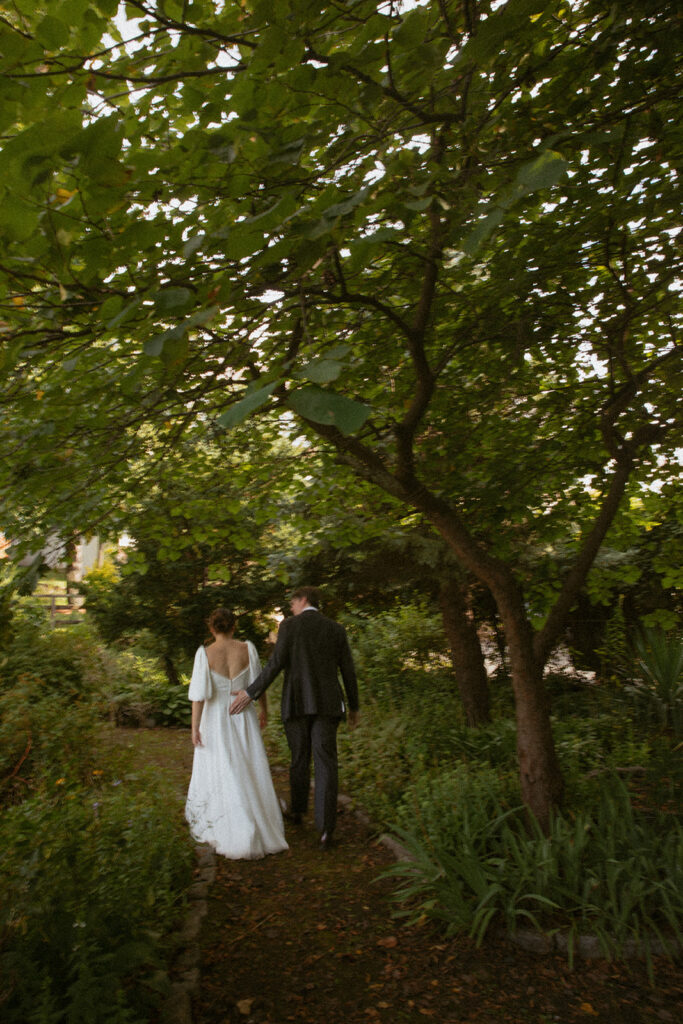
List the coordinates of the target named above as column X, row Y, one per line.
column 317, row 735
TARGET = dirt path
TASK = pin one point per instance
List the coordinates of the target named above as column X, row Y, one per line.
column 308, row 936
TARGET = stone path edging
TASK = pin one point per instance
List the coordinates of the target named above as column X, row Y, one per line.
column 177, row 1008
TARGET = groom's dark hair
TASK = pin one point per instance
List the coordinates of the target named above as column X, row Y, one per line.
column 312, row 595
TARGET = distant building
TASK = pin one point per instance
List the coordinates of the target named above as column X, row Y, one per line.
column 76, row 559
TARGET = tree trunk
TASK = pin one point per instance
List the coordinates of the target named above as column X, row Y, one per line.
column 540, row 776
column 466, row 653
column 170, row 670
column 539, row 770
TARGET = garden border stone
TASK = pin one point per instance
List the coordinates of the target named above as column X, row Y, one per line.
column 177, row 1007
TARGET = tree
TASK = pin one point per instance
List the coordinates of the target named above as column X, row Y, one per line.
column 201, row 534
column 441, row 237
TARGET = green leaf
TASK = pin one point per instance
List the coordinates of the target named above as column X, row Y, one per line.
column 155, row 346
column 18, row 219
column 347, row 205
column 412, row 28
column 171, row 344
column 242, row 242
column 52, row 33
column 193, row 243
column 320, row 371
column 247, row 405
column 125, row 314
column 481, row 232
column 171, row 300
column 503, row 24
column 327, row 407
column 419, row 204
column 544, row 171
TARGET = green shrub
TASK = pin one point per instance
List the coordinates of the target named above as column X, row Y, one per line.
column 43, row 735
column 374, row 763
column 93, row 866
column 126, row 685
column 615, row 655
column 393, row 651
column 139, row 693
column 438, row 805
column 89, row 885
column 69, row 661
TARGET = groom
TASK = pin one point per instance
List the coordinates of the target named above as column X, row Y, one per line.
column 310, row 648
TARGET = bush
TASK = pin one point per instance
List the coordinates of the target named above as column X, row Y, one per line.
column 68, row 661
column 439, row 806
column 43, row 735
column 89, row 885
column 139, row 693
column 93, row 866
column 378, row 769
column 394, row 650
column 127, row 685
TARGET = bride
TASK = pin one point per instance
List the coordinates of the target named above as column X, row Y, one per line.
column 231, row 802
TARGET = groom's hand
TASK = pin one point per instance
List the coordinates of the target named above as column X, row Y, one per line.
column 354, row 719
column 241, row 701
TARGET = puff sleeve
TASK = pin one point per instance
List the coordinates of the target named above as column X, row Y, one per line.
column 201, row 687
column 254, row 663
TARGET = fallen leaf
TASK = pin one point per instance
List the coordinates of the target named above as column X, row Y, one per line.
column 587, row 1008
column 389, row 942
column 244, row 1006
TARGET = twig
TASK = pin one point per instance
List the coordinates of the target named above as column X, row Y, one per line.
column 253, row 928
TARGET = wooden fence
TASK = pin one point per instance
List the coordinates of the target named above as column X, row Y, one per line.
column 61, row 612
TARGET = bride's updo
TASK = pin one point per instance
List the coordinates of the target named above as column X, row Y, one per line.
column 221, row 620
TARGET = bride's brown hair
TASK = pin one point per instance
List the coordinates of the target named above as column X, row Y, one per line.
column 221, row 620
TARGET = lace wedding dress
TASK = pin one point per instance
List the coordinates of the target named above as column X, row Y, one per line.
column 231, row 803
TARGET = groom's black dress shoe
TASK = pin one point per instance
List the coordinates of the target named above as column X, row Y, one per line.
column 290, row 816
column 326, row 841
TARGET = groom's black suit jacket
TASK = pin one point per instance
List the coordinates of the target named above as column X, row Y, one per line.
column 311, row 649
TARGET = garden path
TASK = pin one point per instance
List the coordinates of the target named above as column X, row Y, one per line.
column 309, row 937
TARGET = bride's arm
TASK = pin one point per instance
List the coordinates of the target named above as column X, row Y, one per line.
column 197, row 708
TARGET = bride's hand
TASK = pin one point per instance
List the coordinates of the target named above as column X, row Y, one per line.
column 196, row 738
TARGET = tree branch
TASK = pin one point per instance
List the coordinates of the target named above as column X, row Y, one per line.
column 547, row 637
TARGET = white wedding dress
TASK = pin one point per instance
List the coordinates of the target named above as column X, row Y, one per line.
column 231, row 803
